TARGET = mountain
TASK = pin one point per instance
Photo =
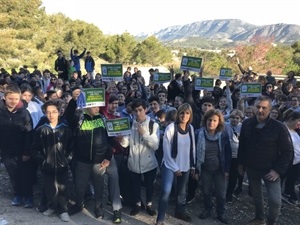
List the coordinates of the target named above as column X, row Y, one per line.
column 225, row 31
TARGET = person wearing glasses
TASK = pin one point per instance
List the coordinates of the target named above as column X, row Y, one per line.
column 52, row 146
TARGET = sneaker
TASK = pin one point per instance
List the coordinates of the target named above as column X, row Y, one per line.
column 292, row 201
column 222, row 219
column 229, row 199
column 41, row 208
column 288, row 199
column 190, row 199
column 237, row 191
column 183, row 216
column 204, row 214
column 117, row 216
column 150, row 210
column 99, row 213
column 28, row 203
column 48, row 212
column 257, row 221
column 135, row 210
column 17, row 201
column 75, row 209
column 64, row 217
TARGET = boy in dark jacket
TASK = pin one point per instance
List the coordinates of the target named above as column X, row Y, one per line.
column 52, row 145
column 92, row 152
column 15, row 130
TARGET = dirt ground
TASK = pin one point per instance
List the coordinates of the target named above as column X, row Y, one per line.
column 238, row 213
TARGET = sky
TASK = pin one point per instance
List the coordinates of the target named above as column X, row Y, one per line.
column 137, row 16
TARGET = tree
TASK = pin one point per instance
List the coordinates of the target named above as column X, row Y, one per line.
column 152, row 52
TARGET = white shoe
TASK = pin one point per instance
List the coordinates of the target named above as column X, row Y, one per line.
column 64, row 217
column 48, row 212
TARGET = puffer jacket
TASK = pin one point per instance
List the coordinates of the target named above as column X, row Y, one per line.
column 15, row 130
column 53, row 147
column 267, row 148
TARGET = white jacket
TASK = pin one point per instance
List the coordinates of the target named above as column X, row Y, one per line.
column 142, row 147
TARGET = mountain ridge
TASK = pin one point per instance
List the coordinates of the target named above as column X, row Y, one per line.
column 227, row 30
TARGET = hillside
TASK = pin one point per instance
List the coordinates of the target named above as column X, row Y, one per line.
column 224, row 32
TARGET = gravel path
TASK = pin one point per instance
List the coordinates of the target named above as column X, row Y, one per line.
column 238, row 213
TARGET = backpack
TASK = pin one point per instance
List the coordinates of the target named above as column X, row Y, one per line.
column 151, row 124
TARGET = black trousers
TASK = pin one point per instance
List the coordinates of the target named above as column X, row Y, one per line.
column 56, row 190
column 233, row 176
column 136, row 179
column 290, row 182
column 21, row 175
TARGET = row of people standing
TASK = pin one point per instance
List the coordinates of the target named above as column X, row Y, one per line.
column 141, row 137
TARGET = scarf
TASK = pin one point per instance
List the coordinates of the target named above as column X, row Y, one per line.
column 203, row 134
column 174, row 151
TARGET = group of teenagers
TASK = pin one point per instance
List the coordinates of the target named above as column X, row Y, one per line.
column 186, row 139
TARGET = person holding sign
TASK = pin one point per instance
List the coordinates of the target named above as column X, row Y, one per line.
column 178, row 161
column 175, row 87
column 225, row 103
column 141, row 160
column 92, row 152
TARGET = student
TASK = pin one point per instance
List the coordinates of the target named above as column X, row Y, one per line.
column 141, row 159
column 52, row 144
column 233, row 128
column 92, row 153
column 292, row 122
column 15, row 130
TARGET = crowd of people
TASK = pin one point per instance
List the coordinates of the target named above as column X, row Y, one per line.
column 184, row 137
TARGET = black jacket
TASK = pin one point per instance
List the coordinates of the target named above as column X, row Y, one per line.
column 267, row 148
column 15, row 130
column 91, row 144
column 188, row 97
column 53, row 147
column 174, row 90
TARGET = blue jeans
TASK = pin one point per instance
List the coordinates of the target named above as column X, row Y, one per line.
column 216, row 179
column 273, row 192
column 166, row 186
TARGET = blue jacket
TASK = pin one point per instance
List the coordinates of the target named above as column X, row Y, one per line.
column 76, row 59
column 225, row 151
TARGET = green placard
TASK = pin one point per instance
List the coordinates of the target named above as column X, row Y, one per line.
column 112, row 72
column 191, row 63
column 94, row 97
column 119, row 126
column 225, row 74
column 161, row 78
column 251, row 89
column 204, row 84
